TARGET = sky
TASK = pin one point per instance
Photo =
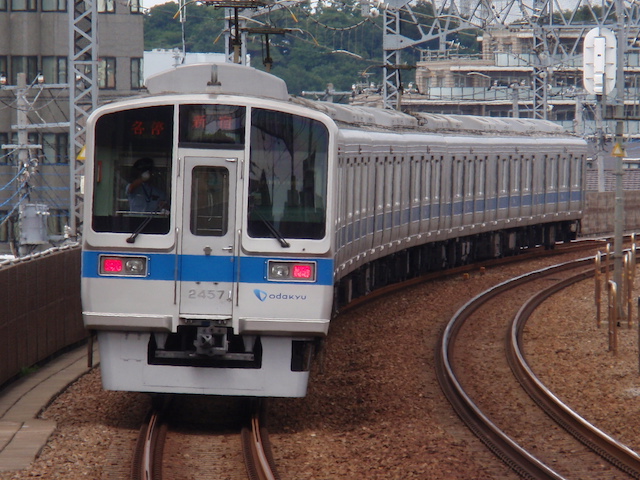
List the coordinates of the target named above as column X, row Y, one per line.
column 152, row 3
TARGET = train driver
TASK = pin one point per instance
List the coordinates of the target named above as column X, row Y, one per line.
column 143, row 195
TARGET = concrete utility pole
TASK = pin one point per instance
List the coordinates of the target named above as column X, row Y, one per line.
column 32, row 217
column 619, row 109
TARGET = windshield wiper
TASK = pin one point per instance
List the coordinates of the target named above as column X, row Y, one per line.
column 137, row 231
column 274, row 231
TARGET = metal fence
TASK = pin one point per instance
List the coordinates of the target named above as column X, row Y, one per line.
column 40, row 309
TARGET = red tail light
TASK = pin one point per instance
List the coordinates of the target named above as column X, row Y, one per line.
column 302, row 271
column 292, row 271
column 123, row 265
column 112, row 265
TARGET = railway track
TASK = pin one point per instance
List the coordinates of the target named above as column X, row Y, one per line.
column 188, row 451
column 535, row 446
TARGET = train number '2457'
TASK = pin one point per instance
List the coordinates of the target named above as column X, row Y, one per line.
column 206, row 294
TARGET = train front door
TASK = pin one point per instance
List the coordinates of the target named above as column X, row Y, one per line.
column 207, row 262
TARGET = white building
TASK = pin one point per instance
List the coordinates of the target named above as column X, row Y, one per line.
column 158, row 60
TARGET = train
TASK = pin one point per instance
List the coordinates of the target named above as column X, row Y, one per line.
column 226, row 221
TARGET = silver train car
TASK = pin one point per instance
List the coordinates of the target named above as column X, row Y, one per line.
column 225, row 221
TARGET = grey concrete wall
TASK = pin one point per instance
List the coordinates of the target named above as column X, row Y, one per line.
column 598, row 215
column 40, row 309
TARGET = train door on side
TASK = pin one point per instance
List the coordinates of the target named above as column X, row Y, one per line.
column 577, row 181
column 480, row 204
column 526, row 183
column 564, row 183
column 551, row 184
column 207, row 244
column 503, row 188
column 515, row 192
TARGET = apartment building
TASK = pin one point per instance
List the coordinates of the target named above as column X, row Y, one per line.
column 34, row 41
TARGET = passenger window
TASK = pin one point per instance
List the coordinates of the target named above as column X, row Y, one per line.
column 210, row 201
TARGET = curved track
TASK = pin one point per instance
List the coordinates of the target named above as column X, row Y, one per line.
column 606, row 446
column 538, row 442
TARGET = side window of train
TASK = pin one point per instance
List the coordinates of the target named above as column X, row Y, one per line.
column 350, row 196
column 480, row 175
column 209, row 201
column 526, row 174
column 504, row 178
column 566, row 171
column 437, row 165
column 470, row 176
column 415, row 179
column 515, row 174
column 577, row 171
column 552, row 163
column 288, row 172
column 458, row 175
column 427, row 164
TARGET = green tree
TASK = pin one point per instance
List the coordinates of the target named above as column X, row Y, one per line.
column 327, row 43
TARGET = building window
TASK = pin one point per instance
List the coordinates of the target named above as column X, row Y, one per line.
column 32, row 139
column 135, row 6
column 106, row 6
column 3, row 5
column 55, row 148
column 4, row 226
column 54, row 5
column 54, row 69
column 137, row 79
column 57, row 220
column 27, row 65
column 107, row 73
column 5, row 154
column 24, row 5
column 459, row 80
column 4, row 67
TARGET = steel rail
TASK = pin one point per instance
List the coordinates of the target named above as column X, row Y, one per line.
column 257, row 452
column 615, row 452
column 147, row 459
column 519, row 459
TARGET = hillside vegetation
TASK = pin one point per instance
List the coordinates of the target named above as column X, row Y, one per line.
column 326, row 44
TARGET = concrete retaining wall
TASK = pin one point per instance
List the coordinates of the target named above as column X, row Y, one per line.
column 40, row 309
column 598, row 216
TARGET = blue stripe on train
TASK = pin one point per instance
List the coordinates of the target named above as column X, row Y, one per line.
column 201, row 268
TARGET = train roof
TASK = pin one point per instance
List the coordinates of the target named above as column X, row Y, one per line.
column 375, row 118
column 234, row 79
column 218, row 78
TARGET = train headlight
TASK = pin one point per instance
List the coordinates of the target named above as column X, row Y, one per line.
column 291, row 271
column 135, row 266
column 123, row 265
column 279, row 271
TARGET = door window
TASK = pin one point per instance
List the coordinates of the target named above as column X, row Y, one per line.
column 210, row 201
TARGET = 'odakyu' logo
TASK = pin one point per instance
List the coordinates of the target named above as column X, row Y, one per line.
column 262, row 296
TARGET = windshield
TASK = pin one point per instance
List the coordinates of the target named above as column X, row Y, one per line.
column 287, row 176
column 132, row 171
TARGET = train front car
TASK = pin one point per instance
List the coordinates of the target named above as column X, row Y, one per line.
column 207, row 262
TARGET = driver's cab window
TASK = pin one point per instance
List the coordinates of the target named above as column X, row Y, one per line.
column 132, row 176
